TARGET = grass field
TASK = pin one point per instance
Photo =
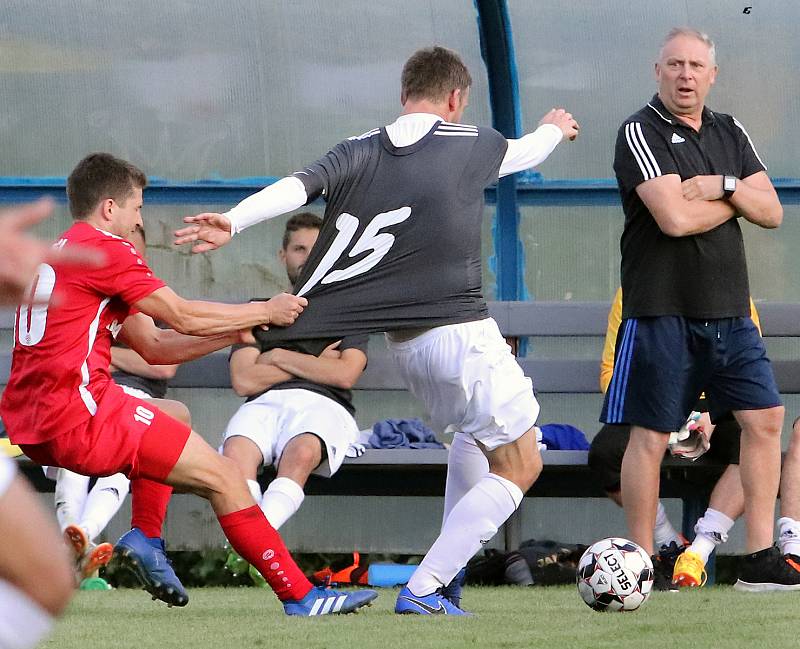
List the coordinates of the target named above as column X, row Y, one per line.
column 507, row 617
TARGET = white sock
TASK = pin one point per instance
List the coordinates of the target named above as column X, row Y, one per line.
column 473, row 521
column 663, row 532
column 23, row 622
column 466, row 465
column 255, row 490
column 711, row 530
column 70, row 497
column 103, row 501
column 281, row 500
column 789, row 535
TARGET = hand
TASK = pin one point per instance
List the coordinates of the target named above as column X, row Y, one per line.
column 704, row 424
column 211, row 229
column 564, row 120
column 702, row 188
column 284, row 308
column 21, row 254
column 331, row 351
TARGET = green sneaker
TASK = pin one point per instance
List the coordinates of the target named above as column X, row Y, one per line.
column 257, row 577
column 234, row 563
column 94, row 583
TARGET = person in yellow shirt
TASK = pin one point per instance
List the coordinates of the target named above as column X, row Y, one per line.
column 727, row 498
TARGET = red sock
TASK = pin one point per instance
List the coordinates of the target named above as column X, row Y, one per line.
column 149, row 502
column 260, row 545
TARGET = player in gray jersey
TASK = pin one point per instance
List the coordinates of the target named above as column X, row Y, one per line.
column 399, row 251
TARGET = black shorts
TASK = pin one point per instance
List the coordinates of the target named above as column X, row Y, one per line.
column 608, row 447
column 663, row 363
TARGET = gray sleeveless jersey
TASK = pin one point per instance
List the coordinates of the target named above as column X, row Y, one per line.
column 400, row 245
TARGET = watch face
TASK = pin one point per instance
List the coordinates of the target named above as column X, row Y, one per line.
column 729, row 184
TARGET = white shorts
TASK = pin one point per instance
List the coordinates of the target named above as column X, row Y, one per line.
column 273, row 419
column 8, row 469
column 469, row 380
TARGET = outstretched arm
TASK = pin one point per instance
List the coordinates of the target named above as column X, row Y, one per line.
column 197, row 318
column 21, row 253
column 209, row 231
column 130, row 361
column 165, row 347
column 533, row 148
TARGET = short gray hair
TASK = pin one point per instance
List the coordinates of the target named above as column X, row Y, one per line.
column 693, row 33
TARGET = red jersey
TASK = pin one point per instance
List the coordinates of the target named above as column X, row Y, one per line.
column 59, row 369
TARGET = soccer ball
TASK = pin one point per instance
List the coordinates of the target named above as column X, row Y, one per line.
column 615, row 575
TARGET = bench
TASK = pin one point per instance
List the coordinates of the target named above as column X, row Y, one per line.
column 420, row 473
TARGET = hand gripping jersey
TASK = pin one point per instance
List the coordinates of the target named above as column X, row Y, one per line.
column 59, row 369
column 401, row 239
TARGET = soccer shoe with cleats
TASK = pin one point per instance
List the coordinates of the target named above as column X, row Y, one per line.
column 664, row 565
column 77, row 540
column 689, row 570
column 434, row 604
column 147, row 559
column 325, row 601
column 454, row 589
column 95, row 558
column 768, row 570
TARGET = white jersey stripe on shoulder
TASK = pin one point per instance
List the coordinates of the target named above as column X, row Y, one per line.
column 647, row 150
column 86, row 396
column 457, row 127
column 752, row 146
column 366, row 135
column 647, row 173
column 317, row 605
column 457, row 134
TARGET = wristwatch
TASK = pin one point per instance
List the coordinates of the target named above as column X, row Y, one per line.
column 728, row 186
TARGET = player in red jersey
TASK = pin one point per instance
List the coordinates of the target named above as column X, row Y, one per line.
column 63, row 409
column 35, row 575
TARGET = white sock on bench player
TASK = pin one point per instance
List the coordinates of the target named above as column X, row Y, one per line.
column 281, row 500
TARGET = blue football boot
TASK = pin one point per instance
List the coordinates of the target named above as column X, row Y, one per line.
column 147, row 559
column 453, row 590
column 434, row 604
column 324, row 601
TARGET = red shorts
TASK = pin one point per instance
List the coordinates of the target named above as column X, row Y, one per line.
column 126, row 435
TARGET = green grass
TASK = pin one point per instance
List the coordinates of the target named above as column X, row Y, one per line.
column 507, row 617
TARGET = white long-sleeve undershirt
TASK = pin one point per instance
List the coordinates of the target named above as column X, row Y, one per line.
column 289, row 193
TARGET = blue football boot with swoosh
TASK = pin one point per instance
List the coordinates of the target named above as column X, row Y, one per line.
column 434, row 604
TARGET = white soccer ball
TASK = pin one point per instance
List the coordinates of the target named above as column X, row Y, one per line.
column 615, row 575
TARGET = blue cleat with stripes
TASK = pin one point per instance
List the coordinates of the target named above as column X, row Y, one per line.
column 322, row 601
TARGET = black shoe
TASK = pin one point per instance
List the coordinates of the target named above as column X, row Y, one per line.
column 768, row 570
column 664, row 565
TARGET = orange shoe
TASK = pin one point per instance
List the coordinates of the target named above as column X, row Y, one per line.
column 77, row 540
column 689, row 570
column 97, row 557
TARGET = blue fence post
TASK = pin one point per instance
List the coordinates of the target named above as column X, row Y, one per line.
column 497, row 49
